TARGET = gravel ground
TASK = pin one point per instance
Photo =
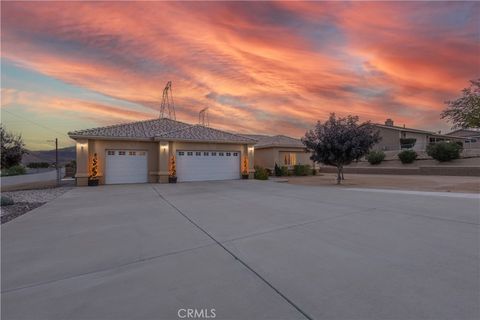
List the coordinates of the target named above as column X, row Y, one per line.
column 400, row 182
column 26, row 200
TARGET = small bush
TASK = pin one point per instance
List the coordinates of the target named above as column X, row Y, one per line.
column 6, row 201
column 314, row 172
column 407, row 156
column 284, row 170
column 444, row 151
column 260, row 173
column 14, row 171
column 269, row 171
column 278, row 171
column 301, row 170
column 375, row 157
column 35, row 165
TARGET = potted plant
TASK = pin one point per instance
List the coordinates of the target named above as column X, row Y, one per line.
column 172, row 171
column 245, row 168
column 93, row 179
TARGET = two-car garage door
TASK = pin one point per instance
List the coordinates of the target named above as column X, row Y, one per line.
column 207, row 165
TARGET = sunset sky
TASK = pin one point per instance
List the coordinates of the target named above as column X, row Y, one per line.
column 269, row 67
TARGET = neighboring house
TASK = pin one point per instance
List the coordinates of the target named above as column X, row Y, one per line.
column 397, row 138
column 471, row 135
column 280, row 149
column 141, row 152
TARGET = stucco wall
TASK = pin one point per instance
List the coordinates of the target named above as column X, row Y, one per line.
column 267, row 157
column 390, row 140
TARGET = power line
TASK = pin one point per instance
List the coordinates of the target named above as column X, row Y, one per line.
column 37, row 124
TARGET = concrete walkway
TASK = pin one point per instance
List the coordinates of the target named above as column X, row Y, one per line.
column 248, row 249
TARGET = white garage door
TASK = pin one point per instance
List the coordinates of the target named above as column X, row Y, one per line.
column 126, row 166
column 208, row 165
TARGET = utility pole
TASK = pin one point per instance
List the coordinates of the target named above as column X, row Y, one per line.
column 56, row 162
column 57, row 167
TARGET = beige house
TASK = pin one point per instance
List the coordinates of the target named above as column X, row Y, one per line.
column 143, row 151
column 471, row 136
column 280, row 149
column 394, row 137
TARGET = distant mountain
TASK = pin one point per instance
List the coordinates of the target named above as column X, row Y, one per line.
column 64, row 155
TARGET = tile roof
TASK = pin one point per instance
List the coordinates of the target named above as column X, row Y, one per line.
column 160, row 128
column 265, row 141
column 202, row 133
column 430, row 133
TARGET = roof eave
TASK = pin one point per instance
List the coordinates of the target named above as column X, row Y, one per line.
column 90, row 137
column 279, row 146
column 204, row 141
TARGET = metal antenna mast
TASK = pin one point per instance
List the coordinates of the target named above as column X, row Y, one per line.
column 203, row 117
column 167, row 102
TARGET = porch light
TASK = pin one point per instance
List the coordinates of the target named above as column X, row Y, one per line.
column 164, row 146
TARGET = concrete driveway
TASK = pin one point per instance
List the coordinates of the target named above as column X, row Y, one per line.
column 248, row 249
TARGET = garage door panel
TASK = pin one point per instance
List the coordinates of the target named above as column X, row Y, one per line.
column 126, row 166
column 208, row 165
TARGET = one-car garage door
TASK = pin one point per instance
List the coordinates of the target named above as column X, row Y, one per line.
column 208, row 165
column 126, row 166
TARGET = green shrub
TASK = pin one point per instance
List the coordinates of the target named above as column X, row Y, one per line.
column 6, row 201
column 260, row 173
column 375, row 157
column 284, row 170
column 301, row 170
column 14, row 171
column 407, row 156
column 444, row 151
column 35, row 165
column 278, row 171
column 314, row 172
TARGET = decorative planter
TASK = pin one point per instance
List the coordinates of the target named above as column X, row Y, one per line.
column 172, row 179
column 93, row 182
column 244, row 176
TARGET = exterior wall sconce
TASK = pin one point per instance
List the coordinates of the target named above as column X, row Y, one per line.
column 250, row 149
column 164, row 146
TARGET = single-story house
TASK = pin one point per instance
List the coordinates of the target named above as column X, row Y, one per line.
column 279, row 149
column 142, row 151
column 397, row 138
column 471, row 135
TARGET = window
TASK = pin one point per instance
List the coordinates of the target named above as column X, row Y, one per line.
column 189, row 153
column 111, row 153
column 214, row 153
column 220, row 154
column 121, row 153
column 198, row 153
column 228, row 154
column 205, row 153
column 235, row 154
column 142, row 153
column 290, row 159
column 132, row 153
column 181, row 153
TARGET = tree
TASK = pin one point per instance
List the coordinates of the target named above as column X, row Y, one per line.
column 338, row 142
column 12, row 148
column 464, row 112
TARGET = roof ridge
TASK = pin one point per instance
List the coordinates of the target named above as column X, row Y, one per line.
column 223, row 131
